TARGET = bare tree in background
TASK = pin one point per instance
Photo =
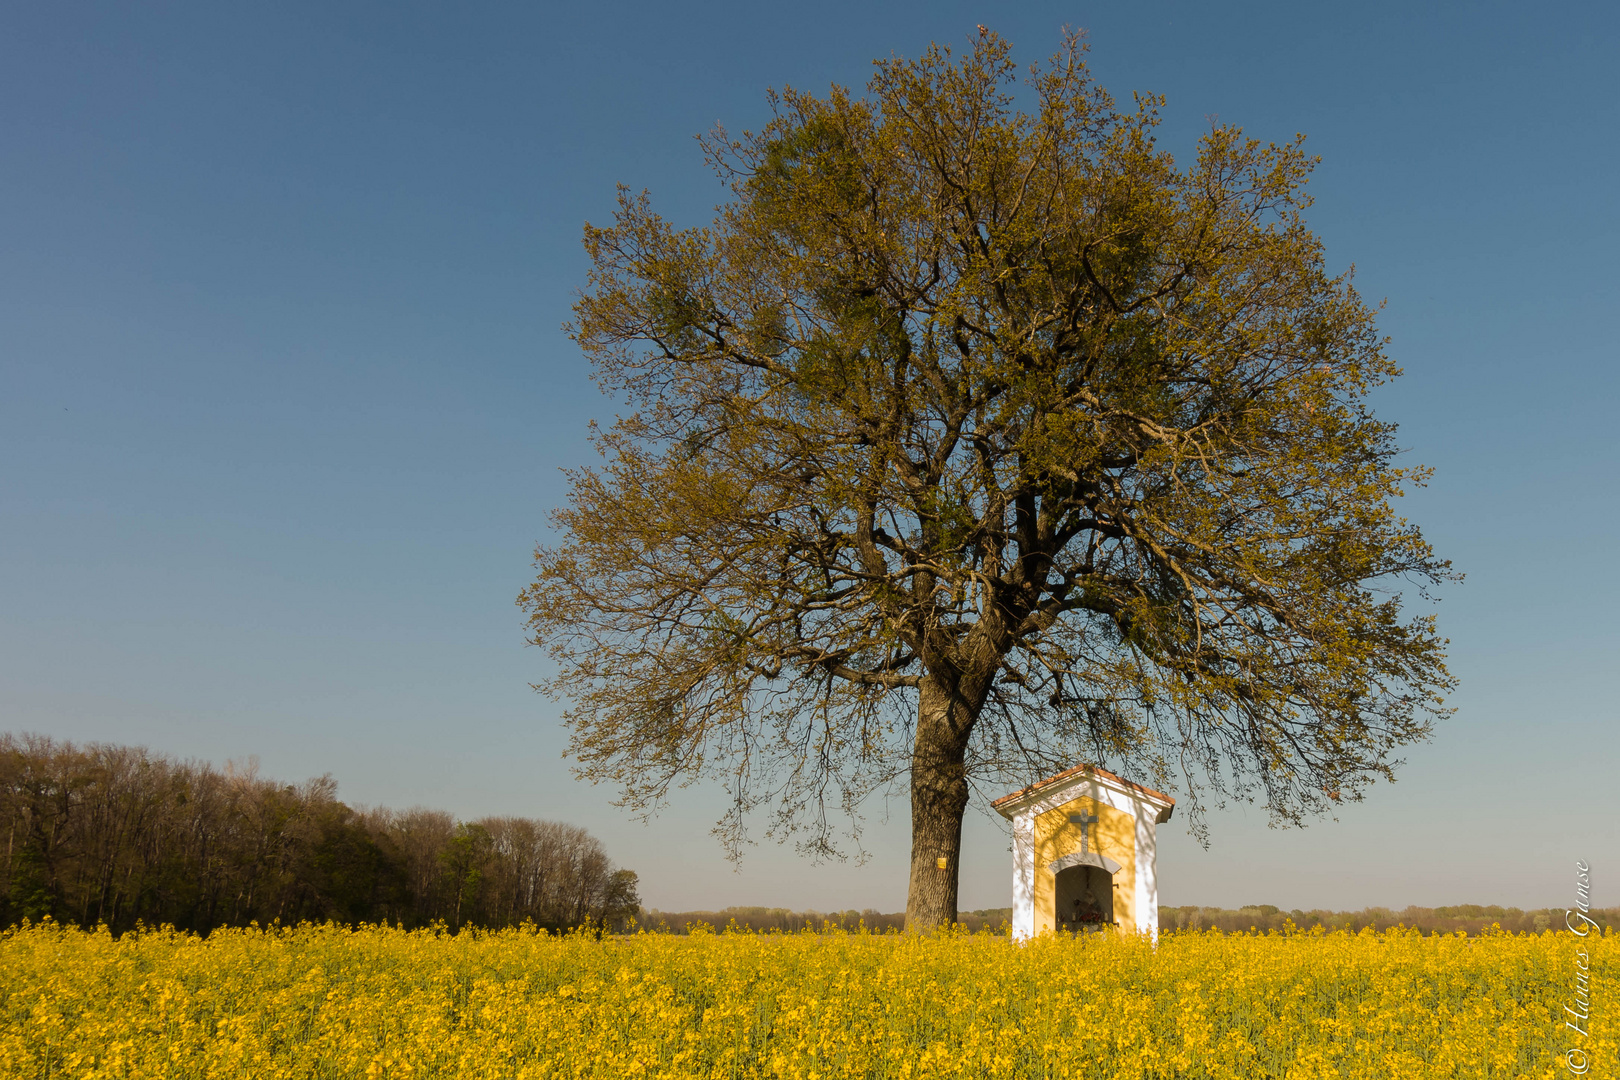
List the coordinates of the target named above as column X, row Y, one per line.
column 114, row 835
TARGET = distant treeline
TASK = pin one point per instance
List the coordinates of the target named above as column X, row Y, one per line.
column 769, row 918
column 116, row 835
column 1471, row 919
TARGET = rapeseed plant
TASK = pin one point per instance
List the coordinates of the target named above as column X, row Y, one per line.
column 375, row 1002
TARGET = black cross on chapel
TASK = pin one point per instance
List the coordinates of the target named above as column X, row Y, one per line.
column 1085, row 820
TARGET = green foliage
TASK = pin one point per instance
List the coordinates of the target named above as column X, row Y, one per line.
column 968, row 441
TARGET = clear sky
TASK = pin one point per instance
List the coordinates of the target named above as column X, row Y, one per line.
column 284, row 393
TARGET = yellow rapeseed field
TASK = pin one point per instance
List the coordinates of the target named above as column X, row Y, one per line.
column 324, row 1001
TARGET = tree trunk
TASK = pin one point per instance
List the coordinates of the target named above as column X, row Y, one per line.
column 939, row 798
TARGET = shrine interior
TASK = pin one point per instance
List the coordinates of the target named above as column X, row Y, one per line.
column 1085, row 898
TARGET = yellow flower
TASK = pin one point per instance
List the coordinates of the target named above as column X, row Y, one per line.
column 385, row 1003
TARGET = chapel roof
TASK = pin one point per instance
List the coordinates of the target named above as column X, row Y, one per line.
column 1068, row 774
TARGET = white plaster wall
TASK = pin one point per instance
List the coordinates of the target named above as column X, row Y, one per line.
column 1147, row 870
column 1023, row 917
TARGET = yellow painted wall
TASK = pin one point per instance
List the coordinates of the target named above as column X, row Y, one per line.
column 1055, row 836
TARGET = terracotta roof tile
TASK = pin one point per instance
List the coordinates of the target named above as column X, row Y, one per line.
column 1077, row 770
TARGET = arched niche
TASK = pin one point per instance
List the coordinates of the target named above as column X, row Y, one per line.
column 1084, row 889
column 1083, row 858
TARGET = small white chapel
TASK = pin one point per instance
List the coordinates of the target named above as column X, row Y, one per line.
column 1084, row 853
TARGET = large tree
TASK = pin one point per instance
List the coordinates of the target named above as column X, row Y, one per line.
column 969, row 440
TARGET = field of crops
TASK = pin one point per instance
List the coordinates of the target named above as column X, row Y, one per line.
column 329, row 1002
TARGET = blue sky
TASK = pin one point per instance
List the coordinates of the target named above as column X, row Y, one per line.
column 284, row 393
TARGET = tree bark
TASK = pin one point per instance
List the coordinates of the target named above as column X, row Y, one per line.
column 939, row 798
